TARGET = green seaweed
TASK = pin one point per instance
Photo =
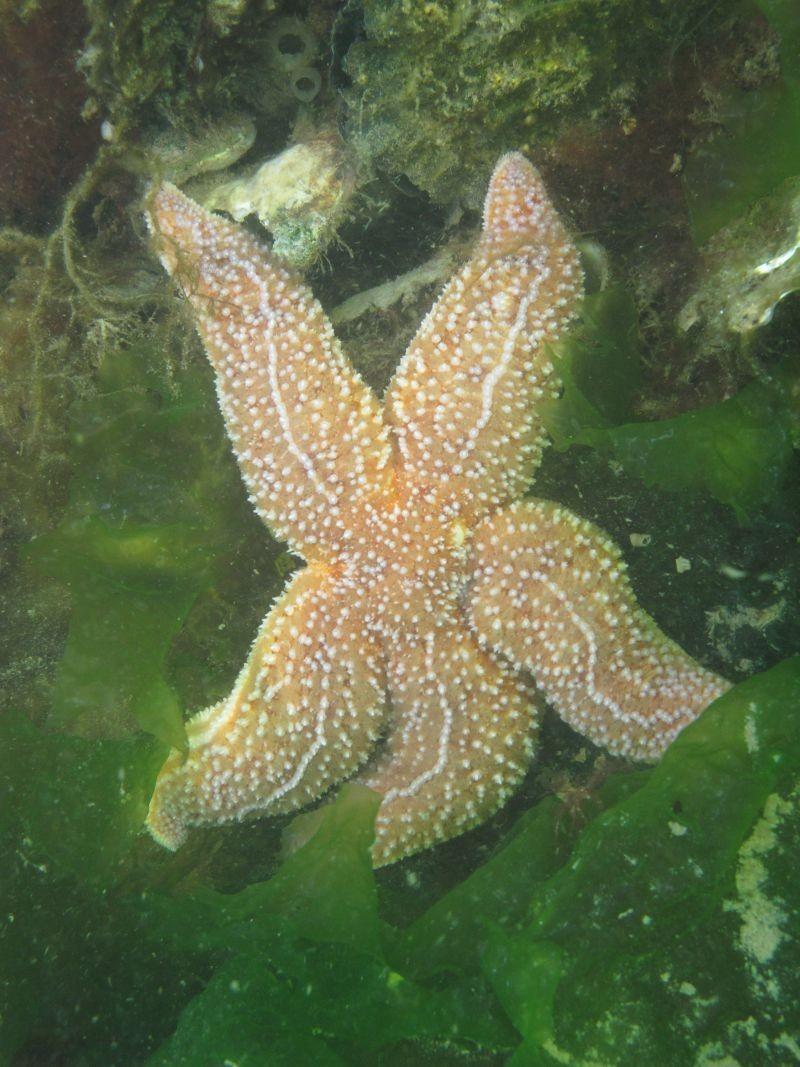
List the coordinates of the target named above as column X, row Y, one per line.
column 128, row 594
column 738, row 450
column 155, row 507
column 455, row 931
column 588, row 965
column 78, row 802
column 556, row 947
column 75, row 970
column 759, row 146
column 634, row 949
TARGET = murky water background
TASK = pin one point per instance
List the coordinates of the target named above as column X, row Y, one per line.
column 609, row 913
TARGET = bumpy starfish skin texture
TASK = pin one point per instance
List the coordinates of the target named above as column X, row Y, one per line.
column 548, row 591
column 406, row 647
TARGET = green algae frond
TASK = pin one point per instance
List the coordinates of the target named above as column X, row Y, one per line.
column 739, row 450
column 506, row 964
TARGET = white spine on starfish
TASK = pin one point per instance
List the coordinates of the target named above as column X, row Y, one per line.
column 303, row 714
column 284, row 419
column 497, row 372
column 616, row 677
column 217, row 719
column 595, row 694
column 460, row 404
column 286, row 428
column 317, row 449
column 444, row 733
column 461, row 741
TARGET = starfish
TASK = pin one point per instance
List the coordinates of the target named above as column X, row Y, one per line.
column 432, row 601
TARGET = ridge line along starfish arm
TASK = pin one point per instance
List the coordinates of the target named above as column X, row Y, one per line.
column 308, row 434
column 305, row 711
column 463, row 400
column 549, row 591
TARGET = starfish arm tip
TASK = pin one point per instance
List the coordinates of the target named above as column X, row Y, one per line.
column 163, row 823
column 560, row 606
column 166, row 213
column 516, row 200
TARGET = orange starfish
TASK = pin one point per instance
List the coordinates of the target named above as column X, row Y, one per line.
column 424, row 594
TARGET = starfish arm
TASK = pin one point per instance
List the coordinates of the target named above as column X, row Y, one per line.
column 305, row 711
column 548, row 591
column 460, row 741
column 462, row 401
column 306, row 430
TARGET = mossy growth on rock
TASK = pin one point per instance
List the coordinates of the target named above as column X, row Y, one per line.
column 439, row 87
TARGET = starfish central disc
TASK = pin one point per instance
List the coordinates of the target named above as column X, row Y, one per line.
column 406, row 649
